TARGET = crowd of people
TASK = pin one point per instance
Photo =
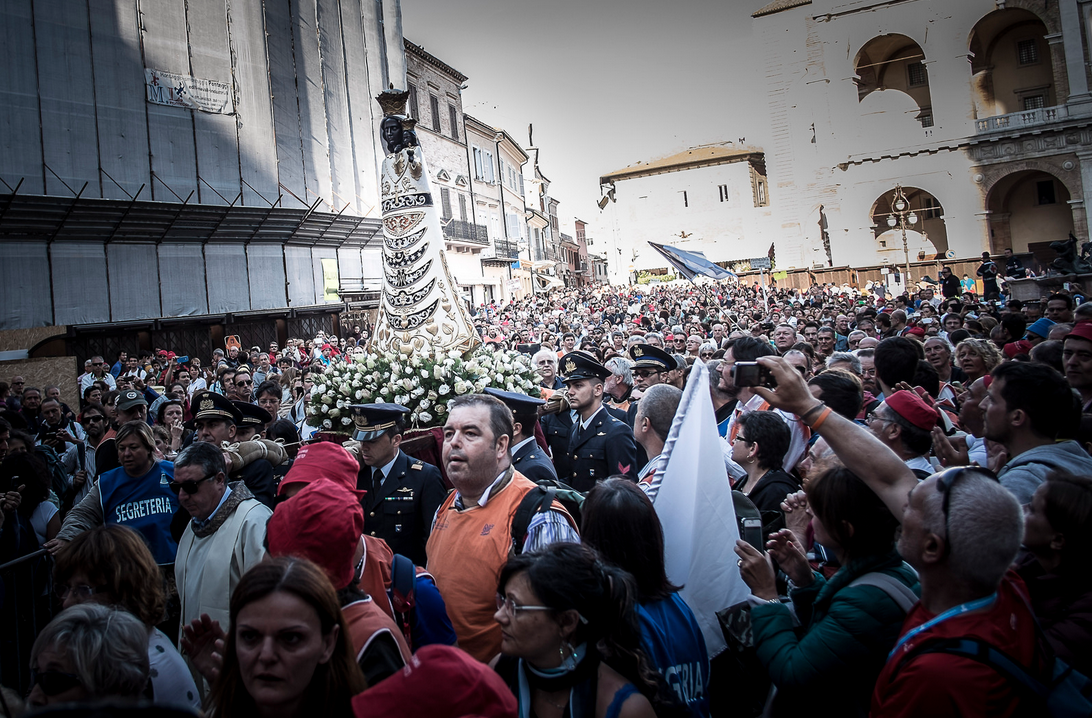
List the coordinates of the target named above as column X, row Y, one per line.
column 919, row 466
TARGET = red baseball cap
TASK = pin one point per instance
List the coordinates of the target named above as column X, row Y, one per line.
column 322, row 523
column 1082, row 330
column 469, row 688
column 322, row 460
column 913, row 408
column 1019, row 347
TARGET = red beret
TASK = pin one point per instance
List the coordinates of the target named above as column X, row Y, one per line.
column 916, row 331
column 322, row 460
column 470, row 688
column 322, row 523
column 911, row 407
column 1082, row 330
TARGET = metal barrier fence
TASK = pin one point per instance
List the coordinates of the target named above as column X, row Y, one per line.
column 26, row 590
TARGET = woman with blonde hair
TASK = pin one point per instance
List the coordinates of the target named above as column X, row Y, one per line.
column 137, row 494
column 977, row 358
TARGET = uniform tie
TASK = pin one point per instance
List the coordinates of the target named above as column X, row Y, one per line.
column 377, row 481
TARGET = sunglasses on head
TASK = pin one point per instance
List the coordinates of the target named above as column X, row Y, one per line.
column 54, row 683
column 190, row 487
column 946, row 480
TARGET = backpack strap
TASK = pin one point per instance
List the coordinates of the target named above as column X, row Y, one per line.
column 538, row 500
column 979, row 650
column 403, row 578
column 403, row 597
column 899, row 592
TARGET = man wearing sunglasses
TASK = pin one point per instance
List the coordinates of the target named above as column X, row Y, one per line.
column 961, row 531
column 224, row 537
column 98, row 373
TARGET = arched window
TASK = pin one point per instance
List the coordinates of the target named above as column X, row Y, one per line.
column 895, row 63
column 1011, row 65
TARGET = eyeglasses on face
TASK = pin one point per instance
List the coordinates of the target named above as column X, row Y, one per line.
column 514, row 609
column 744, row 439
column 93, row 419
column 54, row 683
column 190, row 487
column 646, row 373
column 81, row 593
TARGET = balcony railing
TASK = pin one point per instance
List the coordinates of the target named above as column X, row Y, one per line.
column 466, row 232
column 506, row 249
column 1019, row 120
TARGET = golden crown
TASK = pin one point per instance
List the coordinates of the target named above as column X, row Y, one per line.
column 393, row 101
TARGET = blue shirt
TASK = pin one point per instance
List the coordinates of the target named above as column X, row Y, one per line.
column 673, row 641
column 143, row 503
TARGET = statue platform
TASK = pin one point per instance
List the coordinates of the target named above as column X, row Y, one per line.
column 1036, row 288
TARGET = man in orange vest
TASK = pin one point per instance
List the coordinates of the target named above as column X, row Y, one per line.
column 471, row 536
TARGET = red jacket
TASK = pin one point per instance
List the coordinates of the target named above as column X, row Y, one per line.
column 939, row 684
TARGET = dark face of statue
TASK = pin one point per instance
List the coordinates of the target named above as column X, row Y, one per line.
column 391, row 131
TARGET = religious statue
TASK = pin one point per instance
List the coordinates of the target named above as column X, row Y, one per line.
column 420, row 310
column 1068, row 261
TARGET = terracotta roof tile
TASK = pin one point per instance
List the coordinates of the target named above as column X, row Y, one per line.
column 778, row 6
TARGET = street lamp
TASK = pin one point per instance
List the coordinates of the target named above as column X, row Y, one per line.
column 901, row 214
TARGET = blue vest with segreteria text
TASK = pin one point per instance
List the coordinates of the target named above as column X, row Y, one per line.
column 145, row 504
column 671, row 638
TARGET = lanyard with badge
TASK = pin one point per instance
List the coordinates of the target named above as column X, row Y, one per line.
column 962, row 608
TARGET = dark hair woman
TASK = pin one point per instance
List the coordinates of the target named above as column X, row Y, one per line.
column 28, row 473
column 111, row 566
column 851, row 620
column 287, row 653
column 759, row 446
column 1058, row 537
column 620, row 523
column 570, row 639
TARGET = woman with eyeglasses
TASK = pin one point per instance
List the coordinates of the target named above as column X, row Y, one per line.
column 136, row 494
column 837, row 637
column 89, row 654
column 570, row 637
column 762, row 439
column 288, row 652
column 111, row 566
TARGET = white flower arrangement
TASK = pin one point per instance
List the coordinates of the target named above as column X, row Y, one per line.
column 425, row 382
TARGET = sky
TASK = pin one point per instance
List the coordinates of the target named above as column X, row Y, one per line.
column 606, row 83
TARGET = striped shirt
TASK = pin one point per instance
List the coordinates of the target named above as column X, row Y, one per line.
column 545, row 528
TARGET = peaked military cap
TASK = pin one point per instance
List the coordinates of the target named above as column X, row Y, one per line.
column 370, row 421
column 210, row 405
column 518, row 403
column 252, row 414
column 647, row 356
column 580, row 365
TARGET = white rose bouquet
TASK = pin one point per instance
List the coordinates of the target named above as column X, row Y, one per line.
column 424, row 382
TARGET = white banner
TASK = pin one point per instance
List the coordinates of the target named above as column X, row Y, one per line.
column 699, row 519
column 167, row 88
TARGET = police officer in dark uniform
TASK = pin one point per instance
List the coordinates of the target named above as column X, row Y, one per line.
column 527, row 456
column 403, row 493
column 600, row 444
column 253, row 422
column 650, row 367
column 557, row 428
